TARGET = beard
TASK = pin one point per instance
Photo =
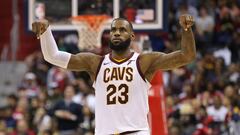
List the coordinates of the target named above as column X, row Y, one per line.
column 122, row 46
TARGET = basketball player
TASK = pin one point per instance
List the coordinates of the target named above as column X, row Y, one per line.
column 121, row 78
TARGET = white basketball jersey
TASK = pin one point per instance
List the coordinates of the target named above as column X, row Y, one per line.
column 121, row 96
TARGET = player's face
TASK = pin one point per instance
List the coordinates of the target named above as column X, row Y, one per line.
column 120, row 35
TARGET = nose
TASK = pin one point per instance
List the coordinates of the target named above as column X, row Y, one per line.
column 116, row 33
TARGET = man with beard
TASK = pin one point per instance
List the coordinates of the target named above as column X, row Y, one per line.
column 121, row 78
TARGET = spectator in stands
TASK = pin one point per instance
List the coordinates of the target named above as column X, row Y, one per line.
column 3, row 133
column 12, row 101
column 177, row 79
column 68, row 114
column 185, row 8
column 3, row 130
column 37, row 65
column 232, row 74
column 234, row 46
column 175, row 130
column 187, row 94
column 31, row 84
column 42, row 121
column 84, row 96
column 21, row 111
column 204, row 29
column 187, row 118
column 224, row 27
column 9, row 120
column 60, row 76
column 22, row 128
column 217, row 110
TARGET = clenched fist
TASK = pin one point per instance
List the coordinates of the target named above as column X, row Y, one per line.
column 186, row 21
column 39, row 27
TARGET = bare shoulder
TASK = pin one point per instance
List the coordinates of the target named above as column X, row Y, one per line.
column 147, row 59
column 146, row 62
column 151, row 55
column 84, row 62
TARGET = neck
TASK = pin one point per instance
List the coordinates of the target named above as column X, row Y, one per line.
column 119, row 55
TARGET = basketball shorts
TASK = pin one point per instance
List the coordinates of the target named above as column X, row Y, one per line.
column 144, row 132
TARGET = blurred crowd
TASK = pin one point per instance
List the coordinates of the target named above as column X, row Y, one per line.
column 202, row 98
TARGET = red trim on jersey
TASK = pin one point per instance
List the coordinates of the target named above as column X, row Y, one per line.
column 99, row 66
column 139, row 69
column 130, row 56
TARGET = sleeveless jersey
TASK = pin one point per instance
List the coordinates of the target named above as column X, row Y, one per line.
column 121, row 96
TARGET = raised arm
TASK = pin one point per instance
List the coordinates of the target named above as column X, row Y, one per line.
column 160, row 61
column 80, row 62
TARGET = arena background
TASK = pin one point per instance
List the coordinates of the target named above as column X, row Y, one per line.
column 201, row 98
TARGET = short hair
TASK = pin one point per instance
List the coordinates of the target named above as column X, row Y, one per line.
column 123, row 19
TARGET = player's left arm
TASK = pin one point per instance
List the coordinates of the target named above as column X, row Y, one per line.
column 151, row 62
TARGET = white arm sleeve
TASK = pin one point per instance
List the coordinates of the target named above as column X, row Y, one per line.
column 50, row 50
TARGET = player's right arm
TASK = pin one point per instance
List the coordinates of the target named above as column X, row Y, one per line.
column 79, row 62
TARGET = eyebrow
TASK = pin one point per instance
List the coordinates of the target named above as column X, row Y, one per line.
column 113, row 27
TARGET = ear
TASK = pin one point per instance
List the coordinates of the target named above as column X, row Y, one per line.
column 132, row 36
